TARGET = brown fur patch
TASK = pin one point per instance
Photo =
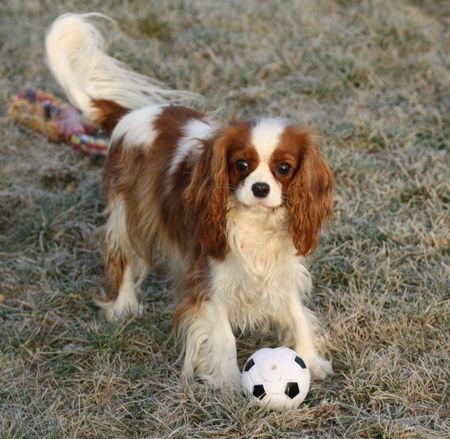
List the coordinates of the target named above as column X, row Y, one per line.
column 194, row 290
column 240, row 148
column 115, row 268
column 107, row 114
column 155, row 215
column 308, row 189
column 207, row 194
column 156, row 220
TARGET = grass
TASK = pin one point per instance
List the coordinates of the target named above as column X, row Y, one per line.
column 373, row 77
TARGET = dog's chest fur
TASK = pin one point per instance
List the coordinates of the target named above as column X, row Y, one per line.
column 261, row 271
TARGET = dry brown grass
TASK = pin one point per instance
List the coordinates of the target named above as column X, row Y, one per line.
column 373, row 76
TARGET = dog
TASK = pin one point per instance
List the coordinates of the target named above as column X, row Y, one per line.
column 230, row 209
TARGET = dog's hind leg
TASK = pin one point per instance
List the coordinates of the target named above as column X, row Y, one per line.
column 125, row 269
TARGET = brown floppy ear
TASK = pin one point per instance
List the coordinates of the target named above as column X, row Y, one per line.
column 206, row 198
column 309, row 194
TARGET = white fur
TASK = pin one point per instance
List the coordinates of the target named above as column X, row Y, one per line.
column 299, row 321
column 76, row 57
column 115, row 229
column 260, row 281
column 210, row 346
column 127, row 302
column 261, row 270
column 265, row 136
column 136, row 129
column 262, row 174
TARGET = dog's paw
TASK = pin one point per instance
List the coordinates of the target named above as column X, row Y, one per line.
column 117, row 310
column 230, row 379
column 319, row 367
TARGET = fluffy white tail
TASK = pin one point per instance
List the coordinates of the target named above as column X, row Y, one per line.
column 76, row 57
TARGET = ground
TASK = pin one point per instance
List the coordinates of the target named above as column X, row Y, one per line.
column 373, row 78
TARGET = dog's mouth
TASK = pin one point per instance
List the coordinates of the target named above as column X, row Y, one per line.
column 260, row 205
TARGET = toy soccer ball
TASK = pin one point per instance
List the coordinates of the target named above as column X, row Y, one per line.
column 276, row 378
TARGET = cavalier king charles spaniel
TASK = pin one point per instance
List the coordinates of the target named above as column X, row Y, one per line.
column 230, row 209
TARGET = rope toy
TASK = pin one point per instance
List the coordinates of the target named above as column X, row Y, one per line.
column 42, row 112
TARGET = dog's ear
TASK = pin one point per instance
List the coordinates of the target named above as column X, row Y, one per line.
column 206, row 197
column 309, row 195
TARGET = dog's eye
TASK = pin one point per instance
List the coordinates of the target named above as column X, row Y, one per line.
column 283, row 169
column 242, row 166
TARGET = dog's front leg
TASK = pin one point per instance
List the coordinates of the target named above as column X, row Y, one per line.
column 210, row 346
column 298, row 327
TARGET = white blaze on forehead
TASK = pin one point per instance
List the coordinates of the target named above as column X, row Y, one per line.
column 265, row 137
column 137, row 127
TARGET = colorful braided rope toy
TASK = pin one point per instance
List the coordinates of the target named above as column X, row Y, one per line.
column 42, row 112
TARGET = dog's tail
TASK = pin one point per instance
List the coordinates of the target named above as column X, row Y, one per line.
column 103, row 88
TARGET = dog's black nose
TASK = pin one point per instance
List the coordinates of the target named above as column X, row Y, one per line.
column 261, row 190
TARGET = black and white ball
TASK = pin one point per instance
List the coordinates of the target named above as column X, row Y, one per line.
column 276, row 378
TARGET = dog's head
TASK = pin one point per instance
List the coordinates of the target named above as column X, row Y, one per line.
column 264, row 164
